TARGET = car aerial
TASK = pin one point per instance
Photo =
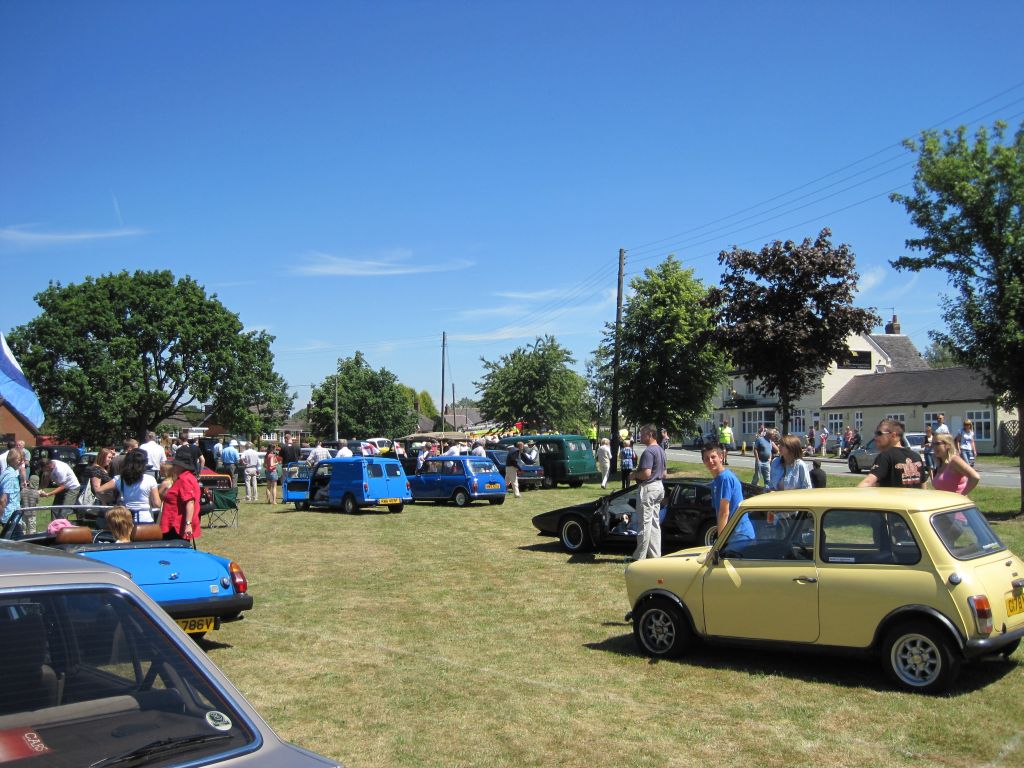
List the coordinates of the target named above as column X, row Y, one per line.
column 916, row 578
column 350, row 484
column 688, row 517
column 94, row 674
column 461, row 479
column 197, row 589
column 530, row 475
column 861, row 458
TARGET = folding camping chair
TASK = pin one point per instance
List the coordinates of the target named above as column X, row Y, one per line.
column 224, row 510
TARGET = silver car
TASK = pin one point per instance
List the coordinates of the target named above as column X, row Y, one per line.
column 861, row 459
column 95, row 673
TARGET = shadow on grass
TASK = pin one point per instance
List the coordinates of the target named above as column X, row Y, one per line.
column 848, row 671
column 211, row 645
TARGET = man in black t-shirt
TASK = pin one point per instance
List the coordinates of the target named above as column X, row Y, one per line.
column 290, row 453
column 894, row 466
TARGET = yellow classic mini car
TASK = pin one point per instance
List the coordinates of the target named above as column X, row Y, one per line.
column 916, row 577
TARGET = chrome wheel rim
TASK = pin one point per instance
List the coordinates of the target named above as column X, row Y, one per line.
column 916, row 660
column 657, row 630
column 572, row 535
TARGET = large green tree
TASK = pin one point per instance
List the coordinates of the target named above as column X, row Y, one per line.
column 785, row 313
column 370, row 403
column 534, row 384
column 118, row 354
column 968, row 201
column 669, row 364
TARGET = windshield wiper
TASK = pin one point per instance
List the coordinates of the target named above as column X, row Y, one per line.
column 176, row 744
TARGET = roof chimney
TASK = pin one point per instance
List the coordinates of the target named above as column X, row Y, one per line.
column 893, row 327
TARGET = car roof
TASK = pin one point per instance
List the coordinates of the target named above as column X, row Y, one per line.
column 910, row 499
column 18, row 558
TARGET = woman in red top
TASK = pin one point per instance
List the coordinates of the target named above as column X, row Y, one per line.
column 180, row 516
column 270, row 462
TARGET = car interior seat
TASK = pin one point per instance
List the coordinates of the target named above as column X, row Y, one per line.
column 28, row 682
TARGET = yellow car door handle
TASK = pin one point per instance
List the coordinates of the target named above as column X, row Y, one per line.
column 806, row 580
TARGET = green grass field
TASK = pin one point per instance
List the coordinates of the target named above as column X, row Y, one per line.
column 446, row 637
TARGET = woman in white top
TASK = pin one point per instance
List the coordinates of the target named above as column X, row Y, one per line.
column 788, row 470
column 965, row 443
column 136, row 489
column 604, row 460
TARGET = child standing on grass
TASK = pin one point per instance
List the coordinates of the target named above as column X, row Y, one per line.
column 30, row 498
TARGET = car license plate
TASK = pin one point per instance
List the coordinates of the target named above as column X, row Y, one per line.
column 390, row 501
column 1014, row 603
column 491, row 486
column 201, row 624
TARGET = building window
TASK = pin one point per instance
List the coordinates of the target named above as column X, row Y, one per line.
column 982, row 422
column 836, row 422
column 751, row 420
column 901, row 418
column 858, row 420
column 797, row 422
column 931, row 418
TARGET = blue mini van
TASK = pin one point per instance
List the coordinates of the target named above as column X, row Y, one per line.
column 461, row 479
column 350, row 484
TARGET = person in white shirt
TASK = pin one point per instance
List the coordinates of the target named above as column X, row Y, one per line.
column 65, row 485
column 940, row 425
column 154, row 453
column 478, row 449
column 344, row 452
column 318, row 454
column 251, row 462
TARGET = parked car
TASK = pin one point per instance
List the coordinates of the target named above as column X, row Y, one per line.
column 566, row 459
column 199, row 590
column 350, row 484
column 382, row 444
column 916, row 578
column 530, row 475
column 461, row 479
column 688, row 517
column 861, row 458
column 94, row 674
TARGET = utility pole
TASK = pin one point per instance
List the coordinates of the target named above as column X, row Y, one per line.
column 444, row 342
column 336, row 368
column 615, row 364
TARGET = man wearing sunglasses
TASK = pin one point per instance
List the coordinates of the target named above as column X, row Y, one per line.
column 894, row 466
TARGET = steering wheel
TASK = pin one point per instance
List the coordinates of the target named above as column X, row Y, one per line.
column 104, row 537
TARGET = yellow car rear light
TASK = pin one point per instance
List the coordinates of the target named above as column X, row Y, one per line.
column 982, row 611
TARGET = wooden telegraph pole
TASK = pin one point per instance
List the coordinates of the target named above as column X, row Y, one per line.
column 615, row 365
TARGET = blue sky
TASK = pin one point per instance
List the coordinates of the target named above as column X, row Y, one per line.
column 367, row 175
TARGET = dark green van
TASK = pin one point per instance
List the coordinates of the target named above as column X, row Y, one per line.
column 566, row 459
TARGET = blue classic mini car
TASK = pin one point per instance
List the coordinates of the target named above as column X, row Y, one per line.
column 461, row 479
column 198, row 589
column 349, row 484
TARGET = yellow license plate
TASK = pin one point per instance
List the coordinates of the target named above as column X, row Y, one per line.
column 390, row 501
column 1014, row 604
column 201, row 624
column 489, row 486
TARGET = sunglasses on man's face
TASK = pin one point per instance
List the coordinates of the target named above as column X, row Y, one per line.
column 880, row 432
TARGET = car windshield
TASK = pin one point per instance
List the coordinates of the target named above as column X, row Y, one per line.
column 481, row 467
column 966, row 533
column 88, row 675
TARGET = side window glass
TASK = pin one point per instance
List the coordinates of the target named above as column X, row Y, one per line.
column 858, row 536
column 770, row 535
column 431, row 467
column 393, row 470
column 688, row 495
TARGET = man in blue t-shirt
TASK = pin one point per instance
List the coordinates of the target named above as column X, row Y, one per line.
column 762, row 457
column 726, row 492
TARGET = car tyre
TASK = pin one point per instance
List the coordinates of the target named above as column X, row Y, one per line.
column 852, row 464
column 348, row 504
column 396, row 508
column 302, row 506
column 499, row 500
column 708, row 534
column 461, row 498
column 548, row 483
column 660, row 629
column 575, row 483
column 920, row 657
column 574, row 535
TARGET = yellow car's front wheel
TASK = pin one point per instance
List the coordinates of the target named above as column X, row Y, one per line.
column 660, row 628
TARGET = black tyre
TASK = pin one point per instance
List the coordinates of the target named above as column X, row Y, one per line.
column 707, row 534
column 852, row 464
column 461, row 498
column 575, row 483
column 302, row 506
column 396, row 508
column 348, row 504
column 499, row 500
column 548, row 482
column 660, row 628
column 574, row 535
column 919, row 656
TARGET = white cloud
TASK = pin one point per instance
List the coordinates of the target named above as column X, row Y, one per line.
column 545, row 295
column 24, row 235
column 387, row 264
column 870, row 279
column 505, row 333
column 509, row 310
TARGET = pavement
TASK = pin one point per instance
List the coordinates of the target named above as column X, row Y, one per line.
column 994, row 475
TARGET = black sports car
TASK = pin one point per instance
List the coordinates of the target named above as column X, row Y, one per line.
column 687, row 517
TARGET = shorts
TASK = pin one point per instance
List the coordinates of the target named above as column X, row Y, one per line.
column 272, row 475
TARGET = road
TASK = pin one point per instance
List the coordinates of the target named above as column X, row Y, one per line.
column 992, row 475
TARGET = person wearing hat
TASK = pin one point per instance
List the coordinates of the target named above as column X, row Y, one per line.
column 179, row 518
